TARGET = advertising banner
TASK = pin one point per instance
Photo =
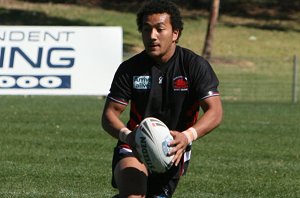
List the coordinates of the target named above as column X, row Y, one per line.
column 56, row 60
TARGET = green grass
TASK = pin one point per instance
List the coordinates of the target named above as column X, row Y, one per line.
column 55, row 147
column 254, row 153
column 52, row 147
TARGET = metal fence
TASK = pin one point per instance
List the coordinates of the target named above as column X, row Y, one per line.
column 258, row 79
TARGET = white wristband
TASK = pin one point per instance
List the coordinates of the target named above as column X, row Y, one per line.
column 190, row 134
column 123, row 134
column 194, row 132
column 187, row 135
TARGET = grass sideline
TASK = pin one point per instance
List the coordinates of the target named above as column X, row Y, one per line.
column 54, row 146
column 232, row 33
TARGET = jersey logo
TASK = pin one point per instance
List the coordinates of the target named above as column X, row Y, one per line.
column 141, row 82
column 180, row 83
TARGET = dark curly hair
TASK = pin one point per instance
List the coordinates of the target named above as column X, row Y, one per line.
column 161, row 6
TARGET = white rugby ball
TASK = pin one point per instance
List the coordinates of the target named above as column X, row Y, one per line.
column 152, row 138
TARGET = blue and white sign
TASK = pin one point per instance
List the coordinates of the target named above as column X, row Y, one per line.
column 55, row 60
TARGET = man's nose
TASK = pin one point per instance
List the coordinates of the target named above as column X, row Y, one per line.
column 153, row 34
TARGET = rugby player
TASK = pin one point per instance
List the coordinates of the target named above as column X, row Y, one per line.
column 165, row 81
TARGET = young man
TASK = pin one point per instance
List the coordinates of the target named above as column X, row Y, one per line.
column 164, row 81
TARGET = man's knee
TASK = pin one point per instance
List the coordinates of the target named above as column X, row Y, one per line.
column 132, row 181
column 131, row 178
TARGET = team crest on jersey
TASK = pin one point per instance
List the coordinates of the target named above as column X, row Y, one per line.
column 180, row 83
column 141, row 82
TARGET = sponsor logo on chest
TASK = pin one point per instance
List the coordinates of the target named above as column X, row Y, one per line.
column 180, row 83
column 141, row 82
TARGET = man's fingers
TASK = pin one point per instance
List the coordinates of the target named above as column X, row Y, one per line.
column 177, row 157
column 179, row 144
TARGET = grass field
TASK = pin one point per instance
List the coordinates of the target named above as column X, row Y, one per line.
column 55, row 147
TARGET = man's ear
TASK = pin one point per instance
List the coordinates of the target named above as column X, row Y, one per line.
column 175, row 35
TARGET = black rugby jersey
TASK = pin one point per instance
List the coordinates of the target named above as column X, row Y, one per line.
column 169, row 92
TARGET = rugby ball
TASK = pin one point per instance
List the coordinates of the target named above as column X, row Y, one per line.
column 152, row 138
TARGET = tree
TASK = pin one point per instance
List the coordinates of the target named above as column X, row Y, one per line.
column 214, row 13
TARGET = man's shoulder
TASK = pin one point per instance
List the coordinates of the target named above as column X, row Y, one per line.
column 136, row 59
column 136, row 63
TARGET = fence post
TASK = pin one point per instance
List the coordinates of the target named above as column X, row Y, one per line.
column 295, row 79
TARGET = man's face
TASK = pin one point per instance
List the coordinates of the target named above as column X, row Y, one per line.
column 159, row 38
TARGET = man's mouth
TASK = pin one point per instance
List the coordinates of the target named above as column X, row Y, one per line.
column 153, row 46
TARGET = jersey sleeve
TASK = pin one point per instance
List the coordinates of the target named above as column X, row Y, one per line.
column 120, row 90
column 203, row 79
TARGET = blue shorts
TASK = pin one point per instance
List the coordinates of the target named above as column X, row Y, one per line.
column 163, row 184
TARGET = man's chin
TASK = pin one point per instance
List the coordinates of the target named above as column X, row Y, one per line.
column 153, row 54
